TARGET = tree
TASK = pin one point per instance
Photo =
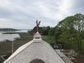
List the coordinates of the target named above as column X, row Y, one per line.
column 42, row 30
column 69, row 31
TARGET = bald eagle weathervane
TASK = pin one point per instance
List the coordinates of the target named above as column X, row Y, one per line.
column 37, row 24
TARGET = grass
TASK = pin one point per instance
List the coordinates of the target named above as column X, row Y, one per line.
column 49, row 39
column 1, row 60
column 5, row 47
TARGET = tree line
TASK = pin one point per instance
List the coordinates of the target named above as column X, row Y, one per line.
column 69, row 32
column 42, row 30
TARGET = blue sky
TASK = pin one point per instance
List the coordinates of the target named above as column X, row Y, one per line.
column 23, row 13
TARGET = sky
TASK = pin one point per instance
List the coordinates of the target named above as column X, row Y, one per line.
column 22, row 14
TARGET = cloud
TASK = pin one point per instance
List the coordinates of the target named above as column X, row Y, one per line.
column 23, row 13
column 7, row 23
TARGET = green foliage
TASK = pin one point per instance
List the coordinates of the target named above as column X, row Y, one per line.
column 51, row 31
column 42, row 30
column 70, row 32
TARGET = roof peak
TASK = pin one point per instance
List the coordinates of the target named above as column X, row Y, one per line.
column 37, row 36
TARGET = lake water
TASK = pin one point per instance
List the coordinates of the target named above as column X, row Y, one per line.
column 10, row 37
